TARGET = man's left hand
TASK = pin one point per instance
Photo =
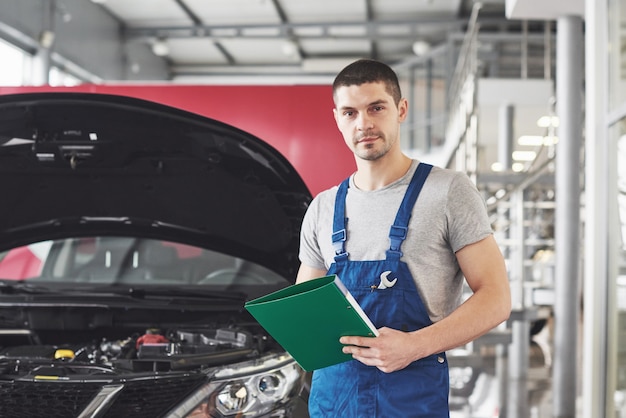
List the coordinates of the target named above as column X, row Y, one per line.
column 392, row 350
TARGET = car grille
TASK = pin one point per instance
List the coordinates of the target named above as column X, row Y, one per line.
column 139, row 398
column 45, row 399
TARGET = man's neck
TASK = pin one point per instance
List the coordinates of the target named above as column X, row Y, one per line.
column 374, row 175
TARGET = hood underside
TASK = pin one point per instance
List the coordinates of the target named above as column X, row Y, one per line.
column 74, row 164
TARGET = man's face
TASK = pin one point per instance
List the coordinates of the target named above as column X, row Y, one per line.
column 368, row 119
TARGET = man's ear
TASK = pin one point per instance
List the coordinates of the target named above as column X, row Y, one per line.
column 403, row 109
column 335, row 115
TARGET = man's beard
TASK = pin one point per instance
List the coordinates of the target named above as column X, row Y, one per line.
column 371, row 152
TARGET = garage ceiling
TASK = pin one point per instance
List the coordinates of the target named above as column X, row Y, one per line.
column 309, row 41
column 290, row 37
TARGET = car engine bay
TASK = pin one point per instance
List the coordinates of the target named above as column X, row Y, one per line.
column 143, row 372
column 151, row 351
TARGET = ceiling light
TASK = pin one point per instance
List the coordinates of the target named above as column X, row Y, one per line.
column 517, row 167
column 420, row 48
column 524, row 155
column 497, row 167
column 289, row 48
column 46, row 39
column 530, row 140
column 537, row 140
column 160, row 48
column 548, row 121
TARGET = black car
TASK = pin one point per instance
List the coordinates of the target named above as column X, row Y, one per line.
column 131, row 235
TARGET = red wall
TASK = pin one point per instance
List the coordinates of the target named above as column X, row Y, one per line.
column 296, row 120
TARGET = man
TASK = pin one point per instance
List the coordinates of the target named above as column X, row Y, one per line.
column 402, row 235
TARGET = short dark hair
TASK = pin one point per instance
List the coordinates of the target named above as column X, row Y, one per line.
column 369, row 71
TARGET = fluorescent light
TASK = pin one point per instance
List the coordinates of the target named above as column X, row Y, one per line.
column 517, row 167
column 497, row 167
column 530, row 140
column 524, row 155
column 537, row 140
column 548, row 121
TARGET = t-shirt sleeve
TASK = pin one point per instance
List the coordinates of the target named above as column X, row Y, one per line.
column 466, row 212
column 310, row 253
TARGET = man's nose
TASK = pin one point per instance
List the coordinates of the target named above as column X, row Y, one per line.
column 364, row 122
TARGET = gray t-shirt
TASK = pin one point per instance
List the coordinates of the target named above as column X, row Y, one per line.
column 448, row 215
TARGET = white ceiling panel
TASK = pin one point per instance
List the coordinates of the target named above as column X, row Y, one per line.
column 419, row 9
column 195, row 51
column 144, row 13
column 336, row 47
column 309, row 31
column 299, row 11
column 541, row 9
column 390, row 30
column 261, row 32
column 234, row 12
column 261, row 51
column 347, row 31
column 394, row 48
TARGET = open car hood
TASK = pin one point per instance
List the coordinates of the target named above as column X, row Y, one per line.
column 75, row 164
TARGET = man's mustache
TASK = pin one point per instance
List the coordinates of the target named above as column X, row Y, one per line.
column 368, row 134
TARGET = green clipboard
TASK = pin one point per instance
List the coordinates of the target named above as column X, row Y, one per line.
column 307, row 320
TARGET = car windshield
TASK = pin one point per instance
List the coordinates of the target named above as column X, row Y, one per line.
column 132, row 261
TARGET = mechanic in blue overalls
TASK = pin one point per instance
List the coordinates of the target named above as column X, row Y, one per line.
column 402, row 236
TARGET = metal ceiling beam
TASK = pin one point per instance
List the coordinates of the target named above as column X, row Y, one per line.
column 190, row 14
column 369, row 30
column 290, row 35
column 197, row 23
column 372, row 30
column 369, row 17
column 18, row 38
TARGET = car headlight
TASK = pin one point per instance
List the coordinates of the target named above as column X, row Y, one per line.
column 248, row 389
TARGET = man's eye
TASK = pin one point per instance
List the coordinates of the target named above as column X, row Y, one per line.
column 348, row 113
column 377, row 108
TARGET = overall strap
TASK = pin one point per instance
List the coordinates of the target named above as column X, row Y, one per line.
column 339, row 222
column 399, row 229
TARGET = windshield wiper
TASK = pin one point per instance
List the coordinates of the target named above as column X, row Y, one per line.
column 20, row 287
column 194, row 293
column 136, row 293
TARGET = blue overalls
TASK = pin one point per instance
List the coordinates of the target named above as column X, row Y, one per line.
column 352, row 389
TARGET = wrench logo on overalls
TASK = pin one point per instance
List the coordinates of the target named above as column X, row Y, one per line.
column 385, row 282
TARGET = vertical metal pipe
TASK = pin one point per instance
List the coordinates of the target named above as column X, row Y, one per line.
column 505, row 135
column 429, row 105
column 42, row 62
column 509, row 388
column 505, row 148
column 567, row 227
column 595, row 323
column 547, row 50
column 524, row 59
column 517, row 396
